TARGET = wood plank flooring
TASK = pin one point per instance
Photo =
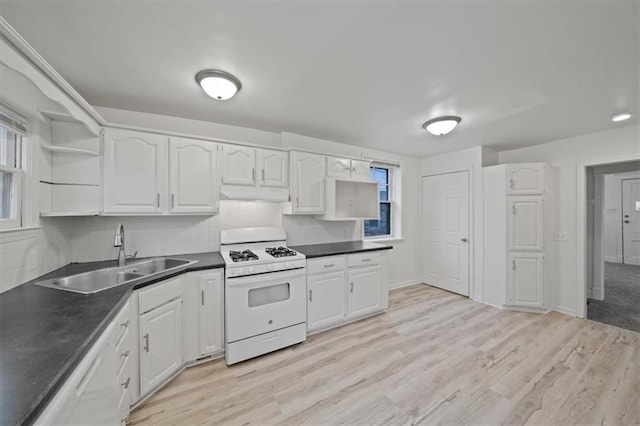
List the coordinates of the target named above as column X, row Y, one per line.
column 433, row 358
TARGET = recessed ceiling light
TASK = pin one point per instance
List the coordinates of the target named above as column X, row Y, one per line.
column 218, row 84
column 442, row 125
column 620, row 117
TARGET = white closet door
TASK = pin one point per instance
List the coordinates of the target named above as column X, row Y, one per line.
column 631, row 221
column 526, row 223
column 445, row 218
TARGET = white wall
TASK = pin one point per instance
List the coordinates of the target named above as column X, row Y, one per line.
column 564, row 156
column 472, row 159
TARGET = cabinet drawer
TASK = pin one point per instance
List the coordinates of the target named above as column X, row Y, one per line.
column 363, row 259
column 326, row 264
column 159, row 294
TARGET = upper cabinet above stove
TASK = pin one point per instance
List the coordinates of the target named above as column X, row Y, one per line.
column 254, row 173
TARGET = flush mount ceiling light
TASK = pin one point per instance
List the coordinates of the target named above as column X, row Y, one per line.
column 218, row 84
column 442, row 125
column 620, row 117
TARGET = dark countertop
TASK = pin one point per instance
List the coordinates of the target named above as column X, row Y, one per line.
column 45, row 332
column 331, row 249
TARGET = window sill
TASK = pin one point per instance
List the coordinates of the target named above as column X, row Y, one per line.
column 26, row 228
column 382, row 239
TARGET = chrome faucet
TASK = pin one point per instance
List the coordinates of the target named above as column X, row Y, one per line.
column 119, row 242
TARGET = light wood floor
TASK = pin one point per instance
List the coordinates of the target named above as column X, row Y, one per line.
column 433, row 358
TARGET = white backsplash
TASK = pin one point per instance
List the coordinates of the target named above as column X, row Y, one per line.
column 307, row 230
column 27, row 254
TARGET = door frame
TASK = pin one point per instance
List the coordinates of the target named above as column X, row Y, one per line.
column 470, row 217
column 622, row 211
column 581, row 228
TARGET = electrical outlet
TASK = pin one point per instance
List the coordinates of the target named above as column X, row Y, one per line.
column 561, row 236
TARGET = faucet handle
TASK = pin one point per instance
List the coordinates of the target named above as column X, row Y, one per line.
column 132, row 256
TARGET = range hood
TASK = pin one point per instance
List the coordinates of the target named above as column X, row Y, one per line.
column 253, row 193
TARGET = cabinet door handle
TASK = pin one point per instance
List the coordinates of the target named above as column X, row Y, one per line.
column 172, row 200
column 511, row 183
column 310, row 295
column 513, row 265
column 126, row 384
column 330, row 265
column 158, row 200
column 146, row 342
column 262, row 175
column 125, row 324
column 351, row 288
column 464, row 240
column 253, row 174
column 125, row 354
column 514, row 211
column 297, row 201
column 366, row 260
column 202, row 297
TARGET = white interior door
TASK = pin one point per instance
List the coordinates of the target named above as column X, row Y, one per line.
column 445, row 231
column 631, row 221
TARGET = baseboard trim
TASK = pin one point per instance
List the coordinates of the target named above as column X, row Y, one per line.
column 563, row 310
column 404, row 284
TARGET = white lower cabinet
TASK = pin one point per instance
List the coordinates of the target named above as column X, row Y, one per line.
column 526, row 280
column 343, row 288
column 364, row 291
column 211, row 313
column 160, row 345
column 326, row 301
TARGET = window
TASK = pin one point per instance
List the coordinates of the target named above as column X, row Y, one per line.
column 11, row 164
column 388, row 224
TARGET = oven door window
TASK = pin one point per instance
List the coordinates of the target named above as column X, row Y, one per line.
column 268, row 295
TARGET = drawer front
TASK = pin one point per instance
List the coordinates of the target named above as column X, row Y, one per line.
column 363, row 259
column 159, row 294
column 326, row 264
column 264, row 343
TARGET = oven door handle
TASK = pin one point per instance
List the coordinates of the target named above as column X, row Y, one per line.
column 267, row 279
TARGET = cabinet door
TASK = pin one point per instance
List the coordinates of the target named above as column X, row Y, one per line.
column 160, row 345
column 135, row 172
column 526, row 223
column 307, row 187
column 339, row 167
column 211, row 313
column 193, row 185
column 360, row 169
column 325, row 300
column 526, row 280
column 364, row 291
column 525, row 178
column 274, row 168
column 238, row 165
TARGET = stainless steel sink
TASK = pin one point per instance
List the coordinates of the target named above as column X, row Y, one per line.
column 103, row 279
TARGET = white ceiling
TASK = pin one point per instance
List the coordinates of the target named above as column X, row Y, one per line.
column 366, row 73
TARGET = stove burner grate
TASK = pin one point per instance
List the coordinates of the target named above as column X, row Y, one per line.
column 242, row 256
column 280, row 251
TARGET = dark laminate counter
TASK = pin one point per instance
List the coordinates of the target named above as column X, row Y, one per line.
column 45, row 332
column 331, row 249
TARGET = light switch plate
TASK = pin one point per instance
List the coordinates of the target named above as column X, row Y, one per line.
column 561, row 236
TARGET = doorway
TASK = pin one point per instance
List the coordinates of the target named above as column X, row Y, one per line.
column 613, row 242
column 445, row 231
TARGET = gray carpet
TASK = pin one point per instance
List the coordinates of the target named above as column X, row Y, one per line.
column 621, row 304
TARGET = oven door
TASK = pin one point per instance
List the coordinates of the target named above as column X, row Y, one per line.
column 262, row 303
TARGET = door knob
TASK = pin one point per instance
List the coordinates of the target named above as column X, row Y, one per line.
column 464, row 240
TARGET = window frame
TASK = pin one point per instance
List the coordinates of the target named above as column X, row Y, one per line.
column 18, row 126
column 393, row 198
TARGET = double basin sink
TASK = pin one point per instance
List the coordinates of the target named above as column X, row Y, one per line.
column 106, row 278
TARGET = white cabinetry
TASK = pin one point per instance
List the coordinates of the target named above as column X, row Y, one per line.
column 351, row 200
column 192, row 176
column 307, row 183
column 518, row 249
column 160, row 333
column 210, row 313
column 97, row 392
column 344, row 288
column 135, row 172
column 254, row 173
column 348, row 168
column 526, row 178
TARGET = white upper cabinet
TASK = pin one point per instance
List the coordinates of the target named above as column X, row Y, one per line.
column 274, row 168
column 135, row 172
column 525, row 179
column 348, row 169
column 238, row 165
column 307, row 182
column 526, row 223
column 193, row 184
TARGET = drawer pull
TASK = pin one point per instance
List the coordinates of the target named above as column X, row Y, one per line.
column 125, row 324
column 124, row 355
column 310, row 295
column 366, row 260
column 146, row 342
column 330, row 265
column 126, row 384
column 351, row 288
column 270, row 339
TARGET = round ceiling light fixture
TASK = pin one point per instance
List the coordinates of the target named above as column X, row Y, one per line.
column 218, row 84
column 442, row 125
column 620, row 117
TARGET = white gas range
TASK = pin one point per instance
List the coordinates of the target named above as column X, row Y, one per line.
column 265, row 292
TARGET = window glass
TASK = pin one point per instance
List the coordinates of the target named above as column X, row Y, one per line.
column 374, row 228
column 6, row 185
